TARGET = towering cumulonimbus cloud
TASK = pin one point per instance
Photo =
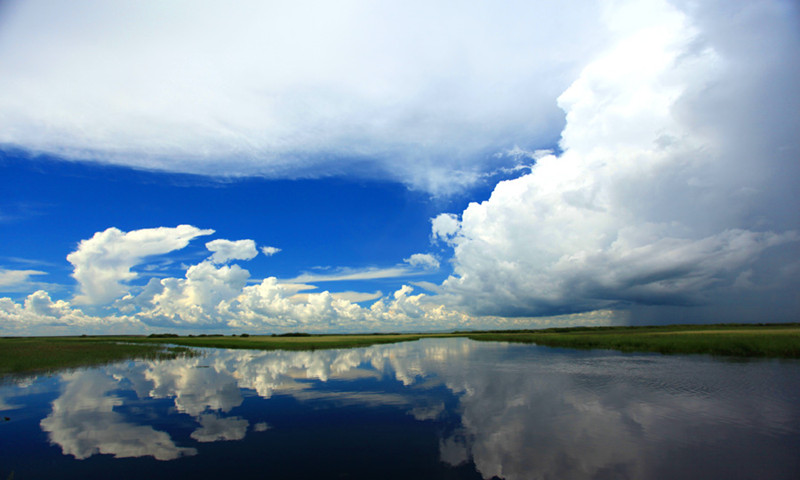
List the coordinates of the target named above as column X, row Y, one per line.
column 677, row 181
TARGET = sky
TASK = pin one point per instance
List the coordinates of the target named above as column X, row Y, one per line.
column 359, row 166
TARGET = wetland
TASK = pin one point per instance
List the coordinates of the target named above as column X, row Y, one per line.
column 429, row 408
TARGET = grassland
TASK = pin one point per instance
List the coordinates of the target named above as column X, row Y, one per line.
column 31, row 355
column 281, row 342
column 42, row 354
column 748, row 340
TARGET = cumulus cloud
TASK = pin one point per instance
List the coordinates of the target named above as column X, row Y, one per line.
column 102, row 264
column 227, row 250
column 290, row 90
column 269, row 304
column 675, row 182
column 40, row 315
column 444, row 226
column 270, row 251
column 218, row 296
column 213, row 296
column 424, row 260
column 193, row 299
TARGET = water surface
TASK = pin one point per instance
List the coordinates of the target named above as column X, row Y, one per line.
column 436, row 408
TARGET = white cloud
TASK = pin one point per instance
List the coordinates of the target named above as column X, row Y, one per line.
column 345, row 274
column 194, row 299
column 219, row 297
column 444, row 226
column 227, row 250
column 424, row 260
column 350, row 296
column 429, row 286
column 103, row 263
column 665, row 193
column 356, row 297
column 40, row 315
column 270, row 251
column 13, row 279
column 676, row 185
column 291, row 90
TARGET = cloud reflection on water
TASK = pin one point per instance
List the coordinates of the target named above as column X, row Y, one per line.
column 83, row 423
column 523, row 411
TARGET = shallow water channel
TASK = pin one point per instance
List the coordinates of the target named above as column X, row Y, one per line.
column 435, row 408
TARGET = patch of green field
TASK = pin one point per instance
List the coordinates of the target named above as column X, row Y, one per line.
column 775, row 341
column 31, row 355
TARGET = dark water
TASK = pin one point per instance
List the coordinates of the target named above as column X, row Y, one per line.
column 449, row 408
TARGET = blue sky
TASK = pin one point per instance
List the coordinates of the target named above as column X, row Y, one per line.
column 354, row 224
column 380, row 167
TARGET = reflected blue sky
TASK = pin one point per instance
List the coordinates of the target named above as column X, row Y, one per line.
column 437, row 408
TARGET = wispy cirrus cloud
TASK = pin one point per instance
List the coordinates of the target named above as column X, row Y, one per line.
column 11, row 280
column 349, row 274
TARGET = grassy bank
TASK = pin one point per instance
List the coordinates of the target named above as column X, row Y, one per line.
column 30, row 355
column 776, row 341
column 269, row 342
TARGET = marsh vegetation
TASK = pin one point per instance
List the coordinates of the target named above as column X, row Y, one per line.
column 27, row 355
column 738, row 340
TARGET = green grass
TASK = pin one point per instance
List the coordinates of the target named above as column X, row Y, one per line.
column 32, row 355
column 269, row 342
column 775, row 341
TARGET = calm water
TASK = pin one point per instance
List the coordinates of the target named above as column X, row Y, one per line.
column 448, row 408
